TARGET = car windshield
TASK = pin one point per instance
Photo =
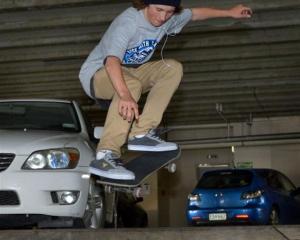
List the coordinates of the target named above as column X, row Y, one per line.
column 55, row 116
column 225, row 179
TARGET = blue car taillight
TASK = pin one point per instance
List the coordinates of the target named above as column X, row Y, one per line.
column 252, row 195
column 194, row 199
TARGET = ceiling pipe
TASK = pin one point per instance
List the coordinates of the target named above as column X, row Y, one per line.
column 255, row 140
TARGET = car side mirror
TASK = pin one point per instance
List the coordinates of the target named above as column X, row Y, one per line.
column 295, row 192
column 98, row 131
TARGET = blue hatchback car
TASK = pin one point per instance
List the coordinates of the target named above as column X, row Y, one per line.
column 254, row 196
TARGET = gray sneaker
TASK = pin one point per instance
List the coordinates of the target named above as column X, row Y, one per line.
column 108, row 165
column 150, row 142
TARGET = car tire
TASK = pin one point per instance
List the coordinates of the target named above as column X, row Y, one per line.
column 274, row 216
column 94, row 216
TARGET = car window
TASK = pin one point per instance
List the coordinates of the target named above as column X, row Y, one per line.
column 225, row 179
column 279, row 182
column 286, row 184
column 89, row 126
column 273, row 181
column 55, row 116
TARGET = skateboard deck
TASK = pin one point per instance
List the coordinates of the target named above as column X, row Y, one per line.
column 143, row 166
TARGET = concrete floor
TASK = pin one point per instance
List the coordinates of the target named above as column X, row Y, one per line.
column 191, row 233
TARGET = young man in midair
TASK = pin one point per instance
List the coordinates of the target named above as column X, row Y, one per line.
column 118, row 69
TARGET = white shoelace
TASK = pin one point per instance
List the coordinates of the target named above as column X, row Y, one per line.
column 153, row 134
column 114, row 162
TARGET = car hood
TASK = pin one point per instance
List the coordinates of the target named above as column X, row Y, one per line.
column 22, row 142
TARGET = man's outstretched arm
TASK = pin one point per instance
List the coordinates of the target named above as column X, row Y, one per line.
column 238, row 11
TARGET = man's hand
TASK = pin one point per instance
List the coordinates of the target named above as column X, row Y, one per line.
column 240, row 11
column 128, row 108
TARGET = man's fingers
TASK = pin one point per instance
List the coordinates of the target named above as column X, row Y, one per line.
column 124, row 112
column 136, row 113
column 120, row 107
column 129, row 115
column 247, row 12
column 128, row 111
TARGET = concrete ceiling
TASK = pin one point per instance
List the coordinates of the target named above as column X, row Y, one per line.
column 248, row 68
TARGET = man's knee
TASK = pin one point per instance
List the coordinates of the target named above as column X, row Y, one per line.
column 175, row 66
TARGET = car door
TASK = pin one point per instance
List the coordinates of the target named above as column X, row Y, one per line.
column 281, row 195
column 293, row 201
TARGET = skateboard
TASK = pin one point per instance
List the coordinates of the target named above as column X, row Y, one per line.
column 143, row 166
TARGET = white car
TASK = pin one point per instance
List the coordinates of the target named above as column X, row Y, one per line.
column 45, row 151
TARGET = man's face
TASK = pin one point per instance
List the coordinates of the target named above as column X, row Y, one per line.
column 157, row 15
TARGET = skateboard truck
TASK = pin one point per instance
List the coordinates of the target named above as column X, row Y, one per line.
column 137, row 192
column 141, row 191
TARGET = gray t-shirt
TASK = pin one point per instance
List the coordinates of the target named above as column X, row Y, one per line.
column 132, row 39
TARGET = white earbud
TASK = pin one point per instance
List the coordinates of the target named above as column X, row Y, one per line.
column 165, row 42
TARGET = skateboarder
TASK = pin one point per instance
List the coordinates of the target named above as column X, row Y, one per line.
column 118, row 69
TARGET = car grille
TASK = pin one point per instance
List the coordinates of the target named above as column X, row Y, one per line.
column 5, row 160
column 9, row 198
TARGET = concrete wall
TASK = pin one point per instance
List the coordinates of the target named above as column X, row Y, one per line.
column 251, row 66
column 258, row 156
column 285, row 158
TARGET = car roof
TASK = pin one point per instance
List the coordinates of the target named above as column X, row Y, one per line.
column 35, row 100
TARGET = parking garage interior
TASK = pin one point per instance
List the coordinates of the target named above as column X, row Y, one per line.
column 238, row 104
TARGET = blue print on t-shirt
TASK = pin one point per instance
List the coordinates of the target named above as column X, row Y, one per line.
column 138, row 54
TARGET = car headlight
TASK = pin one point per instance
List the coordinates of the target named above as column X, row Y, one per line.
column 252, row 195
column 62, row 158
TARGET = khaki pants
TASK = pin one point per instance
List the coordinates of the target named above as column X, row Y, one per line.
column 159, row 78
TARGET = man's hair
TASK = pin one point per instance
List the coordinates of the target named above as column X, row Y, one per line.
column 140, row 4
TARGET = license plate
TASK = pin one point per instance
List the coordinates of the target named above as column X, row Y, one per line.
column 217, row 217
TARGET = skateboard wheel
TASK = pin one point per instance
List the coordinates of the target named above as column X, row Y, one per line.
column 171, row 167
column 138, row 192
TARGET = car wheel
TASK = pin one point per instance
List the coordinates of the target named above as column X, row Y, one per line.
column 94, row 216
column 274, row 217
